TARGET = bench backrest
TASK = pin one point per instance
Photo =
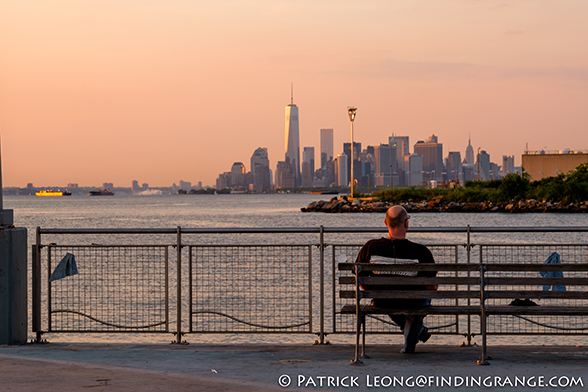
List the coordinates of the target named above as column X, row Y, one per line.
column 537, row 281
column 384, row 283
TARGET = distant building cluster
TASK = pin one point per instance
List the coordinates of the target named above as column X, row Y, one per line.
column 391, row 163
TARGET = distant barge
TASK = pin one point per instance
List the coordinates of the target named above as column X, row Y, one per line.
column 51, row 193
column 101, row 192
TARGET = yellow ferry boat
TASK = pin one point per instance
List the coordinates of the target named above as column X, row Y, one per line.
column 53, row 193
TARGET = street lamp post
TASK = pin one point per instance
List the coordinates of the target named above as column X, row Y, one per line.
column 351, row 110
column 5, row 215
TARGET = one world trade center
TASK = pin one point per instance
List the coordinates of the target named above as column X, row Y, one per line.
column 293, row 140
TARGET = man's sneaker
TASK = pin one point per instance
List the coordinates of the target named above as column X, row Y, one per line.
column 424, row 335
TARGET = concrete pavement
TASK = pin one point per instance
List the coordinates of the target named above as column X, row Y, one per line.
column 263, row 367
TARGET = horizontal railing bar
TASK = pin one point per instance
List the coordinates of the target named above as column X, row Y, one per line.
column 107, row 246
column 248, row 245
column 107, row 231
column 116, row 331
column 232, row 230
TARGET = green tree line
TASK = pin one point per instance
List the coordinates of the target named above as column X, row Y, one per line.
column 571, row 187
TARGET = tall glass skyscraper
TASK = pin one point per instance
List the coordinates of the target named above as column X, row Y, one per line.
column 293, row 141
column 326, row 146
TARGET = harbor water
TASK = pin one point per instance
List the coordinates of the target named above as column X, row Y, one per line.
column 262, row 211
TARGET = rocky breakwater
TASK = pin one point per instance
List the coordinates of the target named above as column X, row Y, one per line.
column 344, row 205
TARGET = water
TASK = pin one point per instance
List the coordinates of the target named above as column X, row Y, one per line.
column 267, row 210
column 247, row 211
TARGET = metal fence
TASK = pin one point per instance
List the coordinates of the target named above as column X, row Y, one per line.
column 187, row 282
column 250, row 288
column 535, row 254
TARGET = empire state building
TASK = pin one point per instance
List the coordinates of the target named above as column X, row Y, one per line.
column 293, row 140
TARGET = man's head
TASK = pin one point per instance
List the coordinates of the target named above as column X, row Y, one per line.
column 397, row 222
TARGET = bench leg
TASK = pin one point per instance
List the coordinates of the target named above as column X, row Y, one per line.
column 484, row 357
column 358, row 329
column 363, row 354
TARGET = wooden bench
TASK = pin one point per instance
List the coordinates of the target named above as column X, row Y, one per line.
column 499, row 284
column 486, row 283
column 450, row 287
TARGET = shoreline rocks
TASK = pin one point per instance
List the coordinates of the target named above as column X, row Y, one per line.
column 343, row 205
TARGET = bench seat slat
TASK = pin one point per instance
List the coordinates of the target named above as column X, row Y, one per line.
column 539, row 281
column 411, row 267
column 537, row 267
column 451, row 310
column 538, row 310
column 536, row 294
column 419, row 281
column 409, row 281
column 446, row 294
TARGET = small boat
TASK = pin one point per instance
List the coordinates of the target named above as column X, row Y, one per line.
column 101, row 192
column 49, row 192
column 324, row 192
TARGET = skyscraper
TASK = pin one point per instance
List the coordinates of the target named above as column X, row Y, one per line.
column 260, row 170
column 341, row 171
column 454, row 168
column 307, row 174
column 293, row 140
column 507, row 164
column 308, row 156
column 415, row 170
column 483, row 166
column 469, row 152
column 326, row 146
column 238, row 175
column 382, row 171
column 402, row 151
column 356, row 152
column 432, row 153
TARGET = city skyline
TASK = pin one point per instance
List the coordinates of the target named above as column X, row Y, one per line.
column 94, row 92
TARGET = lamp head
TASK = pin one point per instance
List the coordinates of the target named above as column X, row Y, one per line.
column 351, row 110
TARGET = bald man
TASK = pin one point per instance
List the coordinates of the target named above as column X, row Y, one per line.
column 395, row 245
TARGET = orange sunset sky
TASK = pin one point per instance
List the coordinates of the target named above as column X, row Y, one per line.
column 95, row 91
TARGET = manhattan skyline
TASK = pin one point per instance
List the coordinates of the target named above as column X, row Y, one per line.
column 93, row 92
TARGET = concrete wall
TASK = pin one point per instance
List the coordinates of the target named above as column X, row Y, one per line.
column 549, row 165
column 13, row 286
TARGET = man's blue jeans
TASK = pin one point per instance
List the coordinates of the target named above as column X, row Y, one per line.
column 412, row 326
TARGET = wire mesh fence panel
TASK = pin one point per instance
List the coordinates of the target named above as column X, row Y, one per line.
column 535, row 254
column 345, row 323
column 250, row 288
column 116, row 289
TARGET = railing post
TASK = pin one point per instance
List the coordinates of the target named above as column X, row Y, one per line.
column 468, row 249
column 358, row 318
column 179, row 285
column 483, row 316
column 322, row 284
column 36, row 289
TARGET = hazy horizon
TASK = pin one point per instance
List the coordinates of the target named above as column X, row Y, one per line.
column 162, row 91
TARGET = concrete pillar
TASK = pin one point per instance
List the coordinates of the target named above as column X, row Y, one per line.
column 13, row 285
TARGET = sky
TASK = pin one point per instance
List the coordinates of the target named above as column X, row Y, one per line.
column 159, row 91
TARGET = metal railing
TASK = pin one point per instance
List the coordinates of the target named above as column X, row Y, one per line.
column 201, row 283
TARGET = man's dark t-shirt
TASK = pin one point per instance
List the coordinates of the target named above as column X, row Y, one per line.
column 400, row 249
